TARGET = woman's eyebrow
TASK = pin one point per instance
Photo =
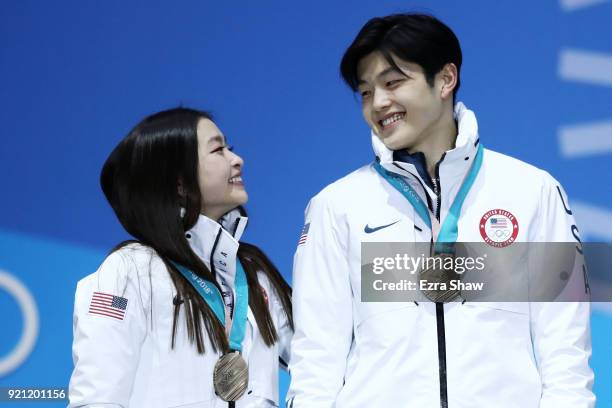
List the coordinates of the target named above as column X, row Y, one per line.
column 216, row 139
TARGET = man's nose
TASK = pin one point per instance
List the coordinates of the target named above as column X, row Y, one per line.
column 381, row 99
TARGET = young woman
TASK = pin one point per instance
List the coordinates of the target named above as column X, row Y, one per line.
column 185, row 315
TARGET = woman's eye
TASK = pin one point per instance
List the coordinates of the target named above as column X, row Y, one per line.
column 221, row 148
column 393, row 82
column 365, row 94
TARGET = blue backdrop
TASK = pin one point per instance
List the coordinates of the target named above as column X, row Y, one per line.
column 77, row 75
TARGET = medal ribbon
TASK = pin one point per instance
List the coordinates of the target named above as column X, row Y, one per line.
column 211, row 295
column 446, row 235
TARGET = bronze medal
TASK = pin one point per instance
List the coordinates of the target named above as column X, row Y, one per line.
column 230, row 376
column 437, row 286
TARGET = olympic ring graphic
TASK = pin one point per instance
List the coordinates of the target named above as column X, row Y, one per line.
column 501, row 234
column 29, row 334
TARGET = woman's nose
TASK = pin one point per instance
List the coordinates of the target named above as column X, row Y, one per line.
column 236, row 160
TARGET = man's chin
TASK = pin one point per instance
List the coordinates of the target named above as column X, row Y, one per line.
column 396, row 143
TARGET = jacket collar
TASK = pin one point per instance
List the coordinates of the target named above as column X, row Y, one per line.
column 216, row 243
column 453, row 165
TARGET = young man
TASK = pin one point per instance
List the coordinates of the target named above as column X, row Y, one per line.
column 350, row 353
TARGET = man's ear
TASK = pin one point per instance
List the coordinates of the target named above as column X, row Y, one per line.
column 448, row 76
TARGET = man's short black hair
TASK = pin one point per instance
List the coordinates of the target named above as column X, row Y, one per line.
column 418, row 38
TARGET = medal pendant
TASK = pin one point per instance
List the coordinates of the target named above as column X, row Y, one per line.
column 230, row 376
column 437, row 287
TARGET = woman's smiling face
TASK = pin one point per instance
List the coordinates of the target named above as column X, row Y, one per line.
column 219, row 172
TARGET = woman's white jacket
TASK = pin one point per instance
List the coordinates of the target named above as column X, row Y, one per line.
column 122, row 354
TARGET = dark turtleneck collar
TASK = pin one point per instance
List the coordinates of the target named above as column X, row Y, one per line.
column 418, row 160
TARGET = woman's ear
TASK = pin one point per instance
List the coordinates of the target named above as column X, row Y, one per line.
column 180, row 188
column 181, row 192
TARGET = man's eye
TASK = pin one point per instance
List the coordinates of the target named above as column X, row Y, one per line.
column 365, row 94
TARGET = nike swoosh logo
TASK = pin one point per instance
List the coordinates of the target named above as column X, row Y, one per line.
column 369, row 230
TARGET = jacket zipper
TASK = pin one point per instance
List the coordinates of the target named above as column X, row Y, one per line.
column 230, row 404
column 437, row 189
column 442, row 354
column 441, row 331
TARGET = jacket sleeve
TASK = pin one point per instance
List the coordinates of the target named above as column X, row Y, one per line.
column 561, row 330
column 281, row 322
column 285, row 334
column 322, row 309
column 107, row 342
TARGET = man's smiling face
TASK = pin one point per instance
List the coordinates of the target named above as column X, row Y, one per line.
column 402, row 108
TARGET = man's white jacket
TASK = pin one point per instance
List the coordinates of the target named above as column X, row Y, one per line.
column 349, row 353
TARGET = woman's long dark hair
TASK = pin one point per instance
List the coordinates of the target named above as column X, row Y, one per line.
column 140, row 180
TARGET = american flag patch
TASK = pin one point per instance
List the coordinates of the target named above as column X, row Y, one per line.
column 105, row 304
column 304, row 234
column 499, row 223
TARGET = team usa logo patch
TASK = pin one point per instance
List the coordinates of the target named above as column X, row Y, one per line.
column 499, row 228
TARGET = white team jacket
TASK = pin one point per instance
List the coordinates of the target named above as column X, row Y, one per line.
column 129, row 363
column 348, row 353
